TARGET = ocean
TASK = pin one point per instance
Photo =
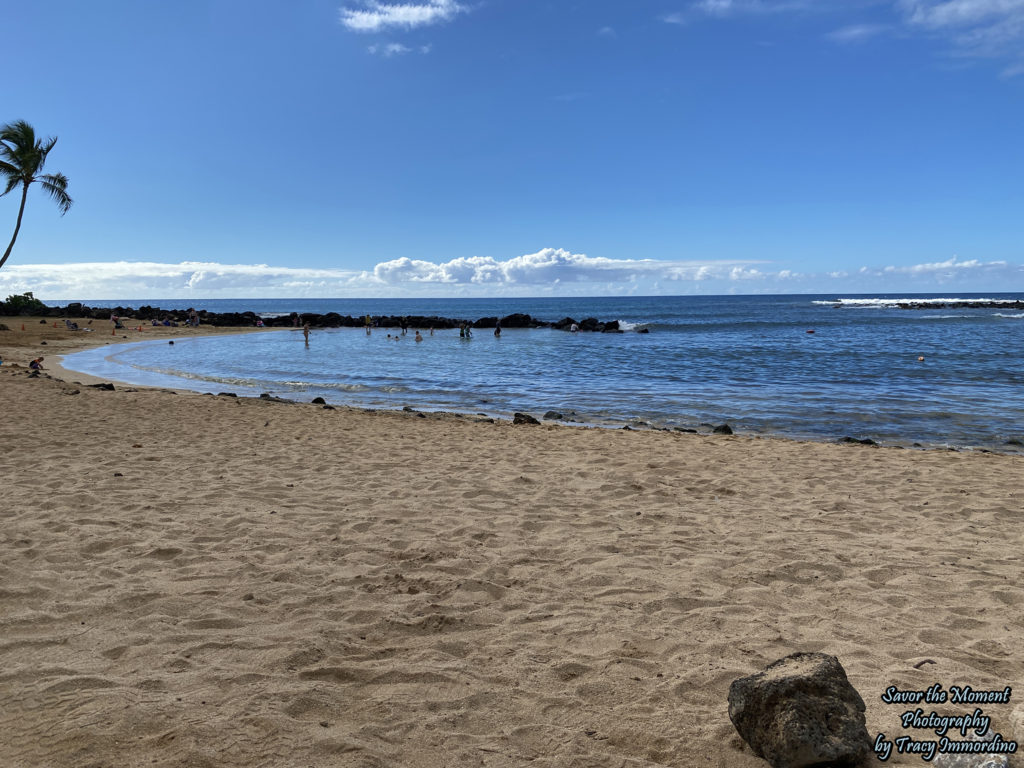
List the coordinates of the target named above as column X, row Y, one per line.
column 750, row 361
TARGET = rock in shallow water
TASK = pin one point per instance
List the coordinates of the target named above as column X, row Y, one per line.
column 801, row 712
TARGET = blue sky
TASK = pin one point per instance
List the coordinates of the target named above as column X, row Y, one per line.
column 251, row 148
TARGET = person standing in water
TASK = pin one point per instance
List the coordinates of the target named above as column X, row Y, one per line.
column 305, row 332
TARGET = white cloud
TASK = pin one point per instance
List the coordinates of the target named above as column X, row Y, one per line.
column 948, row 267
column 992, row 29
column 387, row 50
column 856, row 33
column 546, row 266
column 674, row 18
column 723, row 8
column 970, row 274
column 375, row 16
column 551, row 271
column 960, row 13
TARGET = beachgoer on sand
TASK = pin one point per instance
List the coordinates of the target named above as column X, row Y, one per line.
column 37, row 364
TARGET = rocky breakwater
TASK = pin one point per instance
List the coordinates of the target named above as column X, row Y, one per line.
column 1018, row 305
column 149, row 314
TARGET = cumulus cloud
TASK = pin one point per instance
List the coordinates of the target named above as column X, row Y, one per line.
column 546, row 266
column 142, row 279
column 375, row 16
column 550, row 271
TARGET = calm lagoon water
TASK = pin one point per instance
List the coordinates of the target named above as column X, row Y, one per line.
column 748, row 361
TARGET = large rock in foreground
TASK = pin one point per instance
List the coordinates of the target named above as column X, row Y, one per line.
column 801, row 712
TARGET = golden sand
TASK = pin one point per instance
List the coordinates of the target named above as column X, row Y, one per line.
column 190, row 580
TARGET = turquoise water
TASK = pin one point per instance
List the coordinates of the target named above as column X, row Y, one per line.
column 748, row 361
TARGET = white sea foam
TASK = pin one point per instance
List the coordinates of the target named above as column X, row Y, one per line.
column 1012, row 317
column 626, row 325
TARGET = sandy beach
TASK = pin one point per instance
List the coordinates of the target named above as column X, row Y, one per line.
column 196, row 580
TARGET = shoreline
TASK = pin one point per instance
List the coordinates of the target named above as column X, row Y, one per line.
column 235, row 582
column 71, row 342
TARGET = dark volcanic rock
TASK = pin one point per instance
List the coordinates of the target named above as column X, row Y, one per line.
column 865, row 441
column 106, row 385
column 273, row 399
column 318, row 401
column 175, row 317
column 524, row 418
column 518, row 320
column 553, row 416
column 801, row 712
column 722, row 429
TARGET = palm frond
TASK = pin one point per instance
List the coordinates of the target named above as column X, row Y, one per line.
column 42, row 150
column 56, row 186
column 19, row 146
column 12, row 182
column 19, row 132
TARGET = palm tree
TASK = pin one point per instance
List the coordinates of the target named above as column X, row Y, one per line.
column 21, row 162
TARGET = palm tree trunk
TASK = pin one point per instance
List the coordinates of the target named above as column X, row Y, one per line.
column 17, row 227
